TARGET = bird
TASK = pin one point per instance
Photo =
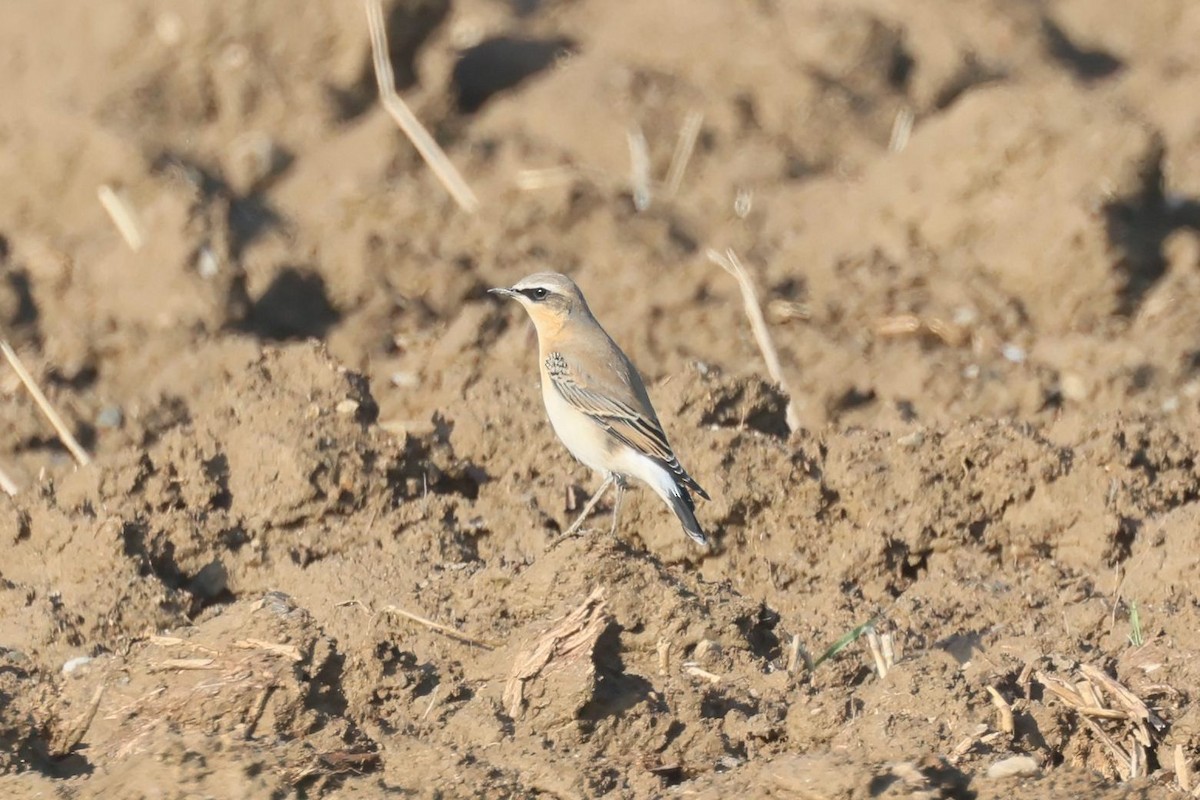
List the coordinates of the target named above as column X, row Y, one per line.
column 597, row 403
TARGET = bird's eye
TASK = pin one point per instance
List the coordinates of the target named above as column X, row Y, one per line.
column 539, row 293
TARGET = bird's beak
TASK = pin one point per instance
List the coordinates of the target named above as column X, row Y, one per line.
column 502, row 292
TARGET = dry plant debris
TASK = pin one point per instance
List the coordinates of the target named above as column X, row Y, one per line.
column 64, row 433
column 453, row 633
column 434, row 156
column 122, row 215
column 7, row 484
column 730, row 262
column 337, row 762
column 574, row 637
column 1126, row 725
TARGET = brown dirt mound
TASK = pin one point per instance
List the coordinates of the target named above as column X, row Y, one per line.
column 318, row 551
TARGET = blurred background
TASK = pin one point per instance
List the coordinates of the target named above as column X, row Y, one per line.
column 985, row 209
column 952, row 212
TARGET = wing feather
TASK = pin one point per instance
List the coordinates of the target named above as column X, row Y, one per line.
column 641, row 432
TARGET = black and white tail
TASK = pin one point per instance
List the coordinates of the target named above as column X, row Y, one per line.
column 684, row 507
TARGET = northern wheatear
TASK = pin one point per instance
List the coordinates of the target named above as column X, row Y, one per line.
column 597, row 403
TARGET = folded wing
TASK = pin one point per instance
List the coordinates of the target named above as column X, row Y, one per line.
column 639, row 430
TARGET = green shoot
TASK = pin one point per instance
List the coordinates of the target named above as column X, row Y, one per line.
column 847, row 639
column 1135, row 625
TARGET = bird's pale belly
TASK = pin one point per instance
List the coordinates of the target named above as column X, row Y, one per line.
column 582, row 437
column 596, row 448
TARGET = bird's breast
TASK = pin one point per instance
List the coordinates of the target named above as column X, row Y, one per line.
column 582, row 435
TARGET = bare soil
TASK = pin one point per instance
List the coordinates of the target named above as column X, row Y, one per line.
column 310, row 423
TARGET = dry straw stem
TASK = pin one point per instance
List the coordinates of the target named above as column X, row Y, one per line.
column 685, row 145
column 664, row 656
column 733, row 265
column 1086, row 697
column 697, row 672
column 888, row 643
column 184, row 664
column 432, row 701
column 73, row 734
column 7, row 483
column 289, row 651
column 639, row 168
column 571, row 639
column 434, row 156
column 259, row 706
column 1132, row 703
column 1003, row 709
column 531, row 180
column 793, row 654
column 56, row 421
column 902, row 126
column 122, row 215
column 881, row 665
column 437, row 626
column 175, row 641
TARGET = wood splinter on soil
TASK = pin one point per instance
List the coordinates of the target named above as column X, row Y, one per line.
column 73, row 734
column 564, row 644
column 1087, row 698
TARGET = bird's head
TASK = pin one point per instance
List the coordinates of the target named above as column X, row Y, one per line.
column 550, row 298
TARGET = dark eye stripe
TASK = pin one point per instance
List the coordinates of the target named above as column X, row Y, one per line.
column 535, row 294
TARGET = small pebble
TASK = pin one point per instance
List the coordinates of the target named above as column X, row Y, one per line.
column 965, row 316
column 347, row 407
column 278, row 603
column 75, row 663
column 706, row 650
column 727, row 762
column 406, row 380
column 1016, row 766
column 1014, row 353
column 206, row 262
column 110, row 417
column 1073, row 387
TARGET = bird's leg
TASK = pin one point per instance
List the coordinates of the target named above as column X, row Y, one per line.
column 587, row 509
column 616, row 512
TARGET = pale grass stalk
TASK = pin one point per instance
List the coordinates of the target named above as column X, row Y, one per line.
column 902, row 126
column 433, row 154
column 730, row 262
column 793, row 654
column 639, row 167
column 881, row 666
column 697, row 672
column 531, row 180
column 7, row 483
column 122, row 216
column 437, row 626
column 1003, row 710
column 64, row 434
column 685, row 145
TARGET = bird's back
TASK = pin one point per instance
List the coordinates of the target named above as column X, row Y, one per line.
column 602, row 363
